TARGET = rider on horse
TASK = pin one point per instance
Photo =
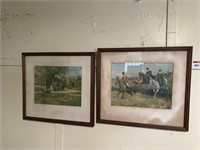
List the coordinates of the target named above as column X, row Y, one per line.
column 160, row 77
column 125, row 79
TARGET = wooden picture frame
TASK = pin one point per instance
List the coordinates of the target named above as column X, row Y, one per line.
column 144, row 87
column 58, row 87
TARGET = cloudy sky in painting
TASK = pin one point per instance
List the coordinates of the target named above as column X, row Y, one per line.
column 132, row 69
column 74, row 71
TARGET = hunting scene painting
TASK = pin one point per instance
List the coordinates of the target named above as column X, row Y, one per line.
column 140, row 84
column 57, row 85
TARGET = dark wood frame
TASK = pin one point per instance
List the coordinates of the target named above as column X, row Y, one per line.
column 91, row 55
column 105, row 51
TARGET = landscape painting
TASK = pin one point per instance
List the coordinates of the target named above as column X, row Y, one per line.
column 141, row 84
column 57, row 85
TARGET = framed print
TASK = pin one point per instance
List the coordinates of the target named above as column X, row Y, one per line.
column 59, row 87
column 144, row 87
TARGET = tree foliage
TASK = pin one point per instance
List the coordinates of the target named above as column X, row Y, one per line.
column 56, row 77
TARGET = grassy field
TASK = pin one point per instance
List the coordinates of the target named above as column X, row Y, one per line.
column 69, row 98
column 140, row 100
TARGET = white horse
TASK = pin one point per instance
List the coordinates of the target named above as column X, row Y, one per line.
column 155, row 86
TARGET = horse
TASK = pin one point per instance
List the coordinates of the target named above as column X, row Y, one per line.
column 159, row 83
column 162, row 81
column 144, row 77
column 123, row 88
column 155, row 86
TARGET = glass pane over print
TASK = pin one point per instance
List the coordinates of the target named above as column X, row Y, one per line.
column 57, row 85
column 141, row 84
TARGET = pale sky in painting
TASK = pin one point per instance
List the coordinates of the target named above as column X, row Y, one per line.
column 132, row 69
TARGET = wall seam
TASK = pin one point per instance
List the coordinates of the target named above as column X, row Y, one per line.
column 167, row 13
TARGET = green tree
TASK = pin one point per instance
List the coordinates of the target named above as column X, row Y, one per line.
column 45, row 75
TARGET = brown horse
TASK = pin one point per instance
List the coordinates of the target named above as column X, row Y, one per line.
column 123, row 87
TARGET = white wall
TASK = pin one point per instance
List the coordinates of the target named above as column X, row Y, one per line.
column 86, row 26
column 188, row 33
column 0, row 95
